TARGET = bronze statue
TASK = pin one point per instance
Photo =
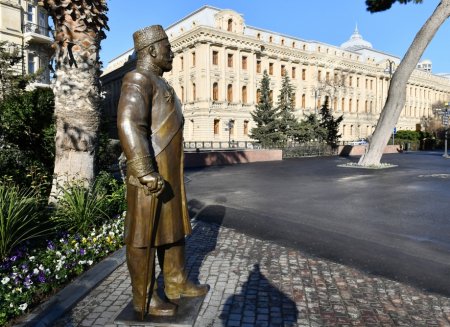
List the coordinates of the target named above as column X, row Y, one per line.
column 150, row 124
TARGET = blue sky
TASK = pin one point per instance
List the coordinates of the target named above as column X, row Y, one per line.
column 328, row 21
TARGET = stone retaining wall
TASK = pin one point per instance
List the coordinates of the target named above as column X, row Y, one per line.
column 216, row 158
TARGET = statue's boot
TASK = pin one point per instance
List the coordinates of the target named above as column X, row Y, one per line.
column 175, row 278
column 135, row 259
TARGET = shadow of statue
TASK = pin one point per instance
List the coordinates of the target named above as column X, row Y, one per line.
column 260, row 303
column 203, row 239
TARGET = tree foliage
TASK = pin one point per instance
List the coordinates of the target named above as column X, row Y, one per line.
column 27, row 134
column 311, row 129
column 330, row 125
column 265, row 117
column 288, row 124
column 382, row 5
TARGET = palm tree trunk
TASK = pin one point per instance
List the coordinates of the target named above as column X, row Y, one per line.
column 78, row 32
column 397, row 89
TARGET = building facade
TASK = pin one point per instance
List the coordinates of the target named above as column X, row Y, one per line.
column 219, row 62
column 25, row 24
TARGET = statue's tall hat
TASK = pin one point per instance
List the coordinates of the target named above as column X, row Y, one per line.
column 148, row 35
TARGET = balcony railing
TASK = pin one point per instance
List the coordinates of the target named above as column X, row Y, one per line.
column 34, row 28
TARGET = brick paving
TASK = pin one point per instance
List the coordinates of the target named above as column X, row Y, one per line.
column 258, row 283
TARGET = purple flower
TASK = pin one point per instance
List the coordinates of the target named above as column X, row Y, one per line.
column 41, row 277
column 13, row 258
column 50, row 245
column 28, row 282
column 82, row 252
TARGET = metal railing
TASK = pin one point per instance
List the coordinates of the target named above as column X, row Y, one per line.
column 34, row 28
column 220, row 145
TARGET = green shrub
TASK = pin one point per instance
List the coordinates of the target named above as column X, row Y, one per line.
column 115, row 192
column 81, row 207
column 22, row 217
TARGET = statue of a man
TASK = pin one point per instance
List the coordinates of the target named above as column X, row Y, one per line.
column 150, row 124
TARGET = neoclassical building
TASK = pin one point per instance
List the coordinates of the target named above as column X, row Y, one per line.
column 25, row 24
column 219, row 62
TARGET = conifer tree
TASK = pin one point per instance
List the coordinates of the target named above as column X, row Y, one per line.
column 330, row 124
column 288, row 124
column 310, row 129
column 265, row 117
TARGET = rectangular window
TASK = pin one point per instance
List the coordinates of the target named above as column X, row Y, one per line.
column 350, row 81
column 31, row 64
column 258, row 66
column 230, row 60
column 216, row 126
column 293, row 72
column 357, row 82
column 30, row 11
column 182, row 62
column 319, row 75
column 271, row 68
column 303, row 74
column 245, row 127
column 327, row 76
column 283, row 70
column 371, row 84
column 193, row 59
column 215, row 58
column 244, row 62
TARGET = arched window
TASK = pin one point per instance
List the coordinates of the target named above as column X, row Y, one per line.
column 271, row 96
column 194, row 92
column 230, row 93
column 350, row 102
column 244, row 94
column 215, row 92
column 258, row 95
column 258, row 36
column 303, row 101
column 182, row 94
column 230, row 25
column 343, row 104
column 270, row 39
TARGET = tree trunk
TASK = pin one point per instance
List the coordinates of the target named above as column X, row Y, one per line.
column 397, row 90
column 78, row 32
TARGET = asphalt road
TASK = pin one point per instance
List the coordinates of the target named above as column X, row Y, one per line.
column 391, row 222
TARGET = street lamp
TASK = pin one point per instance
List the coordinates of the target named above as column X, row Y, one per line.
column 390, row 68
column 445, row 113
column 230, row 126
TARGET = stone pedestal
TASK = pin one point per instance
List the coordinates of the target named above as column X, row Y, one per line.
column 185, row 316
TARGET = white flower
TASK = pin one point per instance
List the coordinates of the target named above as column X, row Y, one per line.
column 57, row 276
column 90, row 262
column 58, row 254
column 35, row 271
column 31, row 258
column 11, row 305
column 41, row 267
column 5, row 280
column 93, row 233
column 23, row 306
column 81, row 262
column 111, row 234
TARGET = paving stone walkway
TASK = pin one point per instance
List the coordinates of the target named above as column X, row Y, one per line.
column 259, row 283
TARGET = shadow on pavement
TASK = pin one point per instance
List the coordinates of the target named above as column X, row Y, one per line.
column 259, row 303
column 203, row 239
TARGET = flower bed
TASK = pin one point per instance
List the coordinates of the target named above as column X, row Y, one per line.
column 30, row 275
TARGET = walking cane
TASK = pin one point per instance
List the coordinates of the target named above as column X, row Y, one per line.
column 153, row 205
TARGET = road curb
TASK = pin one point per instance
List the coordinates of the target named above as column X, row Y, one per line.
column 48, row 312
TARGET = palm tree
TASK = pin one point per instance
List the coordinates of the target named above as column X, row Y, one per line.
column 79, row 28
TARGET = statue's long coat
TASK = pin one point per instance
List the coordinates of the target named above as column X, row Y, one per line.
column 150, row 124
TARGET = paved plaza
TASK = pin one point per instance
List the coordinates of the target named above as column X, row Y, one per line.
column 259, row 283
column 259, row 279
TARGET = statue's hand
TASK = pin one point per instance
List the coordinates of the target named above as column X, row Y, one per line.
column 154, row 182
